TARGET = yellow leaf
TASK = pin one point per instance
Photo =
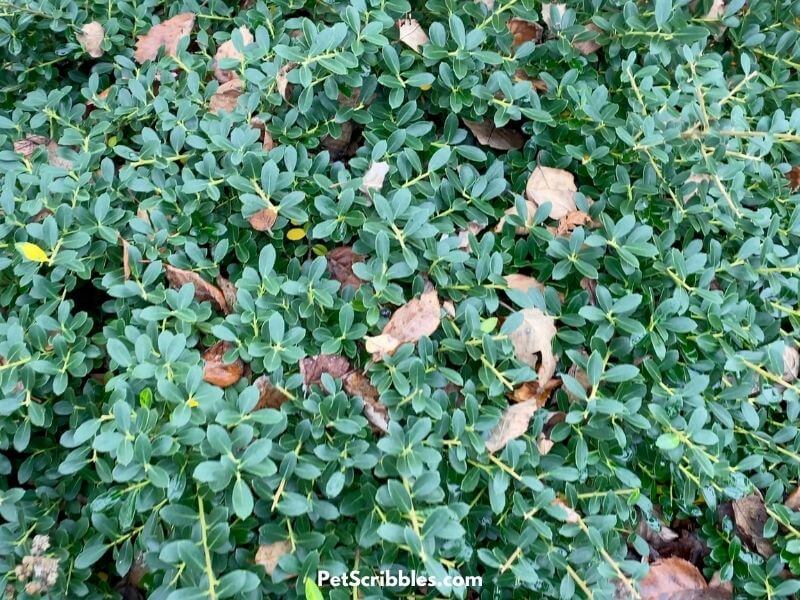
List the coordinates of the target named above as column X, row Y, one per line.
column 296, row 234
column 425, row 87
column 192, row 403
column 32, row 252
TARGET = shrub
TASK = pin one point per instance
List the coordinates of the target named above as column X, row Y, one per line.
column 487, row 288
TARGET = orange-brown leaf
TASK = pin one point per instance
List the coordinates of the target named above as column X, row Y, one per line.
column 356, row 383
column 216, row 371
column 794, row 178
column 524, row 31
column 166, row 34
column 531, row 390
column 750, row 515
column 269, row 395
column 669, row 578
column 228, row 50
column 268, row 555
column 226, row 96
column 203, row 290
column 263, row 220
column 571, row 221
column 512, row 424
column 313, row 367
column 412, row 34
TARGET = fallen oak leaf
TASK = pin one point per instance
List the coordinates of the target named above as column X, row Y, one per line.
column 228, row 50
column 263, row 220
column 499, row 138
column 671, row 578
column 750, row 516
column 203, row 290
column 571, row 221
column 226, row 96
column 166, row 34
column 357, row 384
column 269, row 395
column 523, row 31
column 555, row 186
column 535, row 336
column 418, row 318
column 523, row 283
column 91, row 37
column 313, row 367
column 340, row 266
column 216, row 371
column 268, row 555
column 512, row 424
column 411, row 33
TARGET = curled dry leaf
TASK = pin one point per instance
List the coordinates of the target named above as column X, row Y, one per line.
column 449, row 308
column 409, row 323
column 572, row 514
column 228, row 50
column 228, row 292
column 226, row 96
column 512, row 424
column 538, row 84
column 269, row 395
column 166, row 34
column 555, row 186
column 523, row 283
column 535, row 336
column 548, row 10
column 587, row 47
column 794, row 178
column 282, row 81
column 524, row 31
column 340, row 266
column 356, row 383
column 264, row 219
column 571, row 221
column 412, row 34
column 313, row 367
column 655, row 538
column 91, row 37
column 671, row 578
column 203, row 290
column 28, row 145
column 499, row 138
column 793, row 501
column 717, row 10
column 373, row 178
column 126, row 258
column 216, row 371
column 544, row 444
column 791, row 363
column 463, row 236
column 750, row 515
column 268, row 555
column 531, row 390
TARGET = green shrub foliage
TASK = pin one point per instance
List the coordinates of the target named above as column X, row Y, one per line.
column 178, row 221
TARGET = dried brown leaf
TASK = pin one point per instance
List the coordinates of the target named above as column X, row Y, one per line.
column 791, row 363
column 587, row 47
column 717, row 10
column 282, row 82
column 216, row 371
column 374, row 177
column 228, row 50
column 523, row 283
column 555, row 186
column 531, row 390
column 572, row 515
column 571, row 221
column 538, row 84
column 750, row 515
column 656, row 538
column 356, row 383
column 535, row 337
column 524, row 31
column 226, row 96
column 167, row 34
column 228, row 292
column 794, row 178
column 269, row 395
column 91, row 37
column 313, row 367
column 412, row 34
column 343, row 147
column 126, row 258
column 512, row 424
column 418, row 318
column 28, row 145
column 264, row 219
column 340, row 265
column 268, row 555
column 203, row 290
column 793, row 501
column 670, row 578
column 499, row 138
